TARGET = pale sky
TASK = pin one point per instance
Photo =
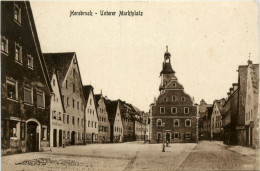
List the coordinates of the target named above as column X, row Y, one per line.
column 123, row 55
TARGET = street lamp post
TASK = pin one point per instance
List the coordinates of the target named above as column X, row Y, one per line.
column 163, row 146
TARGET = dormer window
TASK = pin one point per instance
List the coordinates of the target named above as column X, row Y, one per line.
column 165, row 99
column 174, row 84
column 183, row 99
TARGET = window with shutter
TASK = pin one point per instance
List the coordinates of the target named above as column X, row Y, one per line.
column 28, row 95
column 40, row 99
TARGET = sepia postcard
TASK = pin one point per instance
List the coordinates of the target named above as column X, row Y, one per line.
column 130, row 85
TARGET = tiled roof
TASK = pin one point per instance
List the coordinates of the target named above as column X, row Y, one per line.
column 97, row 98
column 60, row 62
column 167, row 69
column 86, row 91
column 111, row 110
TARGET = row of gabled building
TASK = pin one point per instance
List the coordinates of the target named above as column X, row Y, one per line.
column 44, row 102
column 234, row 119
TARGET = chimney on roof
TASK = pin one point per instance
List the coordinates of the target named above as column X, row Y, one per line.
column 249, row 62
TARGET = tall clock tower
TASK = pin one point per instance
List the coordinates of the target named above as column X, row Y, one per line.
column 173, row 114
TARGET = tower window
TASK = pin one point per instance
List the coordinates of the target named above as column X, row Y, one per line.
column 162, row 110
column 187, row 123
column 66, row 84
column 186, row 110
column 174, row 98
column 174, row 110
column 183, row 99
column 159, row 122
column 176, row 122
column 165, row 99
column 174, row 84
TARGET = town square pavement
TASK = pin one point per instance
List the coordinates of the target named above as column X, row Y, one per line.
column 205, row 155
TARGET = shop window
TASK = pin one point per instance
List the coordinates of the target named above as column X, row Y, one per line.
column 44, row 132
column 14, row 127
column 159, row 135
column 68, row 135
column 187, row 135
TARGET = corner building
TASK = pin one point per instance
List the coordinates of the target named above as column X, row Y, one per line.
column 173, row 114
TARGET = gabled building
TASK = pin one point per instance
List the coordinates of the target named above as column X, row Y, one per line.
column 229, row 117
column 25, row 88
column 58, row 113
column 103, row 121
column 173, row 114
column 203, row 112
column 69, row 77
column 206, row 124
column 127, row 113
column 91, row 115
column 216, row 119
column 115, row 119
column 248, row 114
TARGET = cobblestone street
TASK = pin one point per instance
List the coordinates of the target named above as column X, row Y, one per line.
column 133, row 156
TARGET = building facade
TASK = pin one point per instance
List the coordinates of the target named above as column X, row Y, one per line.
column 25, row 87
column 248, row 114
column 91, row 115
column 203, row 116
column 216, row 119
column 103, row 121
column 127, row 113
column 229, row 117
column 57, row 114
column 69, row 78
column 115, row 119
column 173, row 114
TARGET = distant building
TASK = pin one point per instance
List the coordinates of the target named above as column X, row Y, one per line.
column 69, row 77
column 103, row 121
column 216, row 119
column 91, row 115
column 203, row 114
column 229, row 117
column 173, row 114
column 116, row 125
column 248, row 112
column 25, row 87
column 127, row 113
